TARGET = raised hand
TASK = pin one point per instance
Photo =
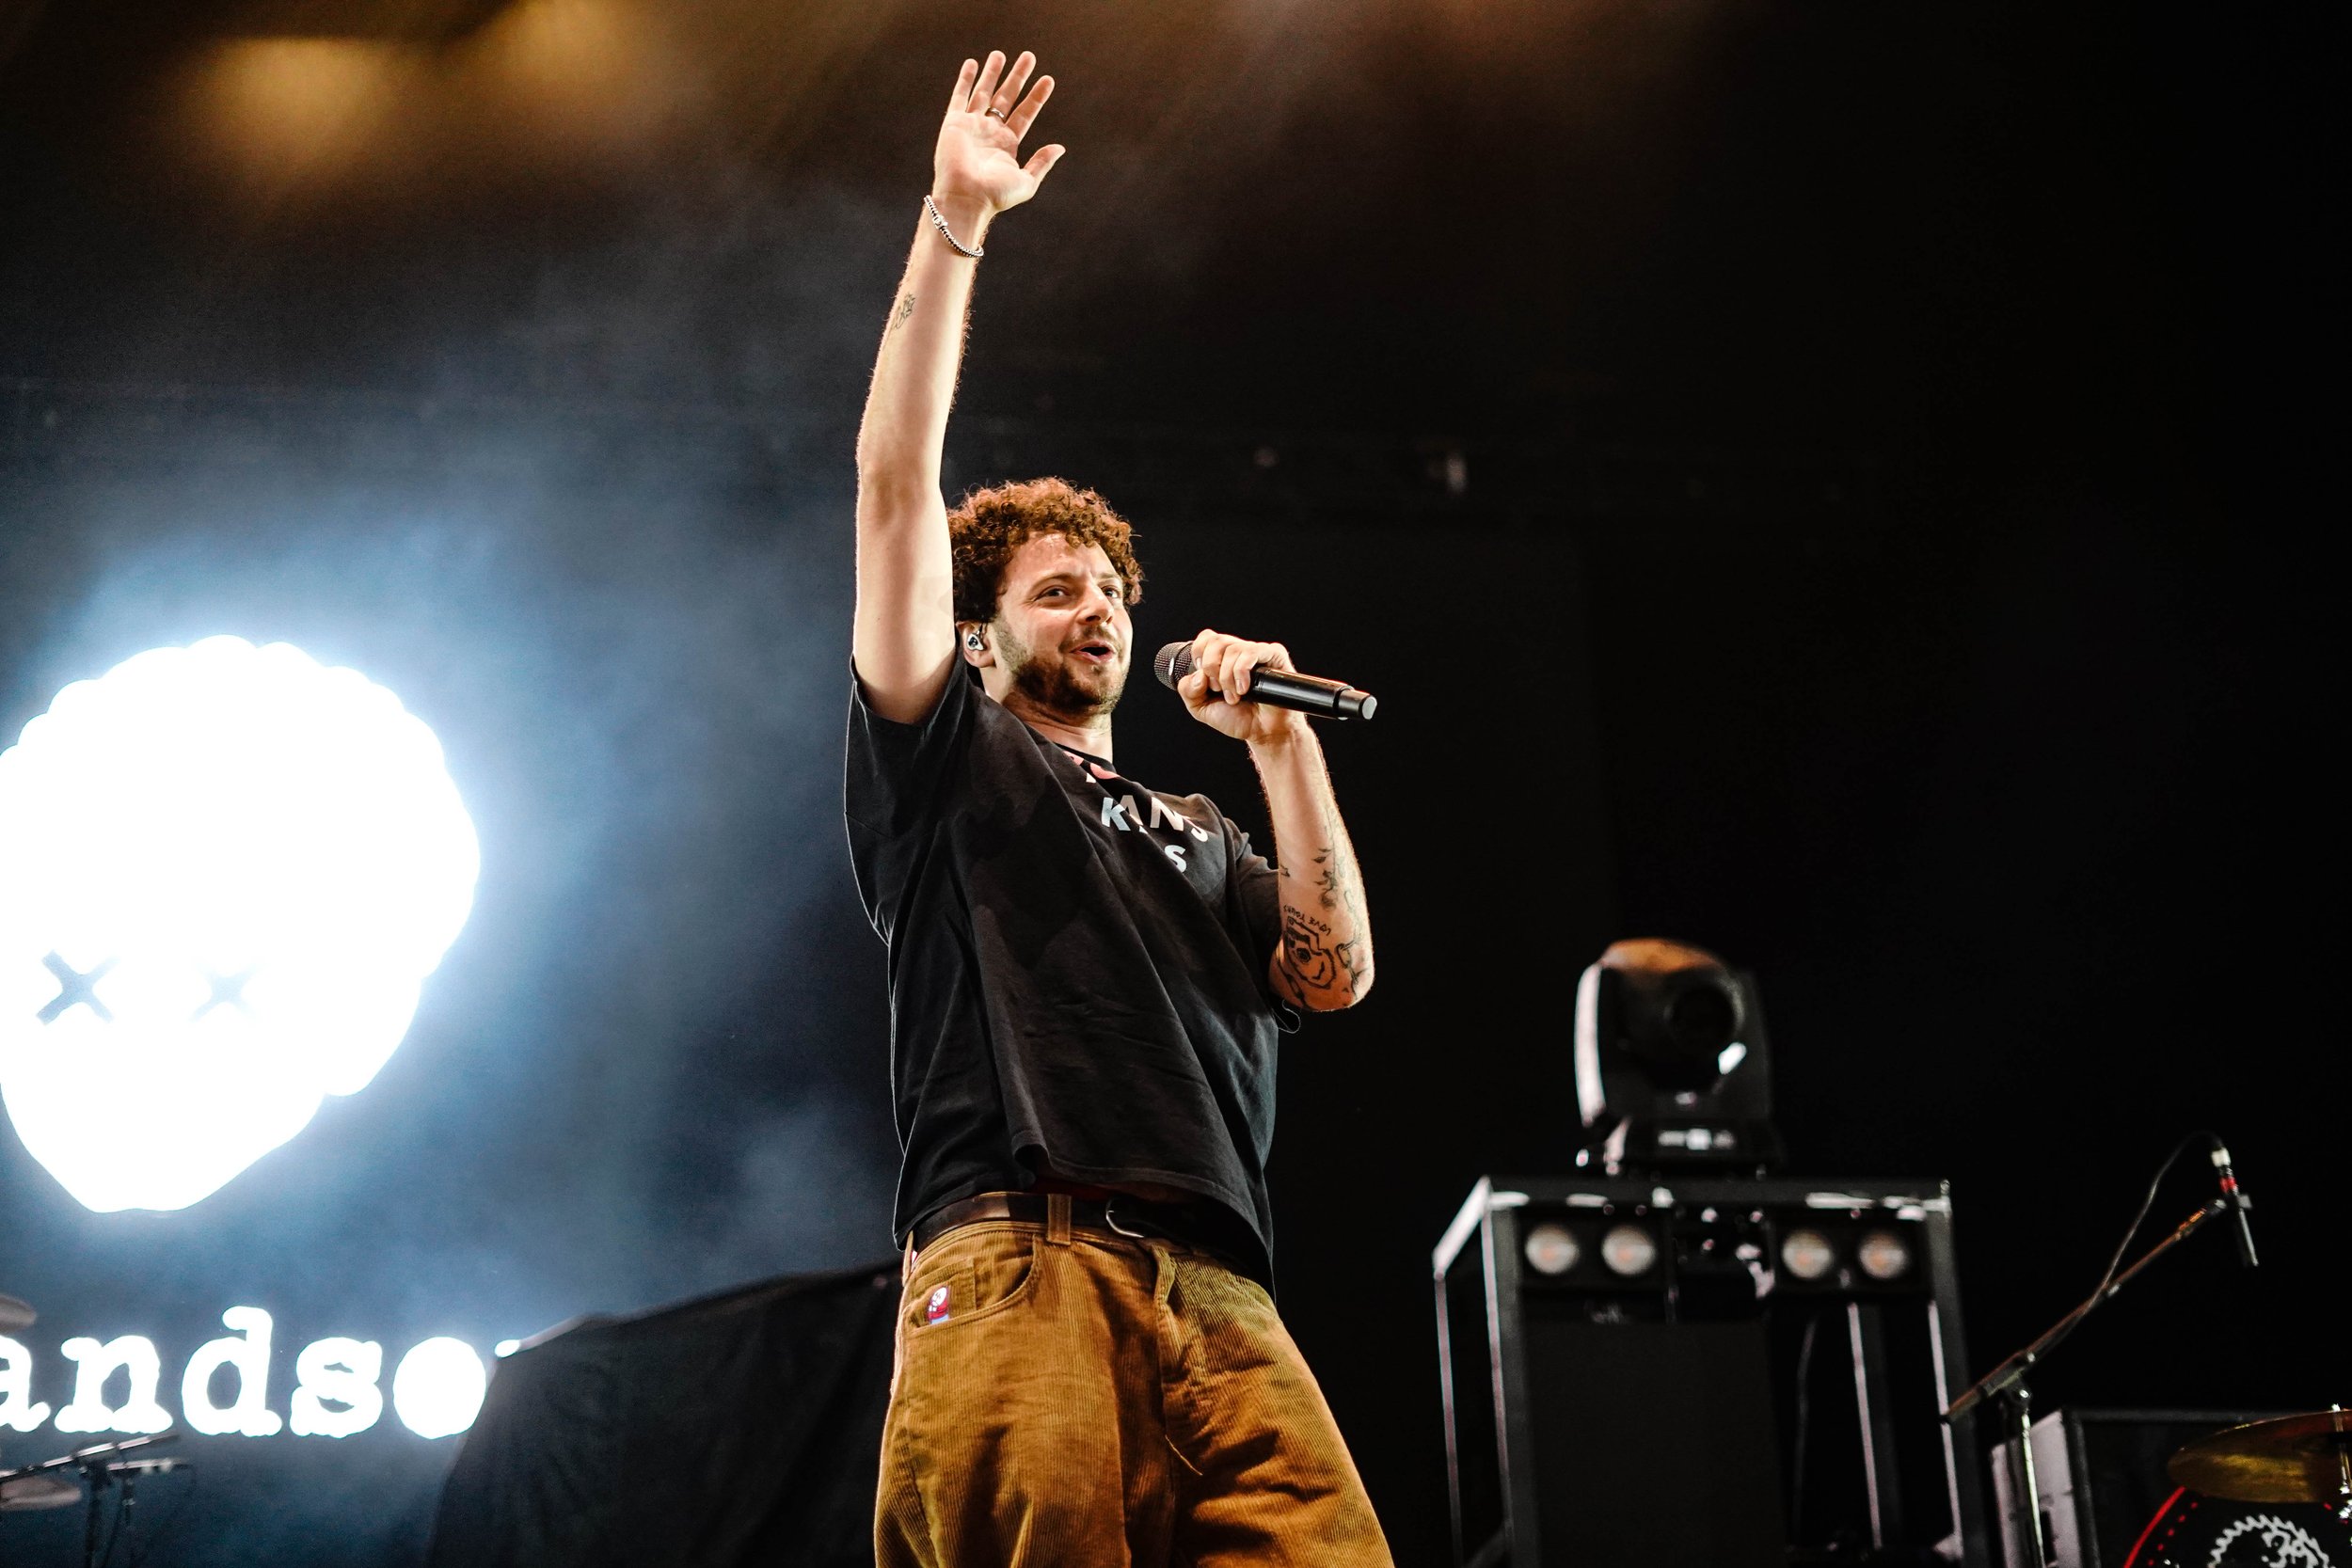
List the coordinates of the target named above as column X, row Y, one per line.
column 977, row 170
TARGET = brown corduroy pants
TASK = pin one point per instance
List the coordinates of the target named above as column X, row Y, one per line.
column 1066, row 1399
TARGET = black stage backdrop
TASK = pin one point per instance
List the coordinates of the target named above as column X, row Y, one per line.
column 1822, row 481
column 745, row 1429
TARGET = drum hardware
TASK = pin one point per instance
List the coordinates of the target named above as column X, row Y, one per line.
column 2193, row 1530
column 101, row 1465
column 2005, row 1382
column 2296, row 1459
column 30, row 1493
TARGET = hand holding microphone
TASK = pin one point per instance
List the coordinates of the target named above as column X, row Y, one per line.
column 1231, row 685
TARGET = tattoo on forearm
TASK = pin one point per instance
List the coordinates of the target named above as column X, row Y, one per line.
column 1312, row 959
column 1306, row 954
column 899, row 316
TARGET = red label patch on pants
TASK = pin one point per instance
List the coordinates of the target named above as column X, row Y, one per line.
column 935, row 1309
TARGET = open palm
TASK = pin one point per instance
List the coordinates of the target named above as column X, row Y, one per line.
column 979, row 156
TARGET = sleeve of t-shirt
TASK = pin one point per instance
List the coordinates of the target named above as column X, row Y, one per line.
column 1256, row 894
column 895, row 770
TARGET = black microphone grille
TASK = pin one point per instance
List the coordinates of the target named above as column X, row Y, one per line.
column 1172, row 663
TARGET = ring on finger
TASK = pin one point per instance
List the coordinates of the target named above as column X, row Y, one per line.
column 999, row 114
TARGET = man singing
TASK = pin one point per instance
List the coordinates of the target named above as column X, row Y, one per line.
column 1085, row 978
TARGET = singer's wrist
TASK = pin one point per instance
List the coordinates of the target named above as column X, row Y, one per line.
column 969, row 215
column 1289, row 732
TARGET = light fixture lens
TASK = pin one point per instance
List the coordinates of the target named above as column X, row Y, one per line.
column 1552, row 1249
column 1808, row 1254
column 1884, row 1254
column 1629, row 1250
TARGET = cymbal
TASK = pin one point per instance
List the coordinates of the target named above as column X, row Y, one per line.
column 2295, row 1459
column 28, row 1493
column 15, row 1315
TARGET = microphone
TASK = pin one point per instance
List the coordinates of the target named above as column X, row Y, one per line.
column 1309, row 694
column 2233, row 1198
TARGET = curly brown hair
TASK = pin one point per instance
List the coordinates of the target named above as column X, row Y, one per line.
column 990, row 525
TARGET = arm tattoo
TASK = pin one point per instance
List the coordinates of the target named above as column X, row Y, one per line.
column 1313, row 964
column 1335, row 892
column 898, row 317
column 1313, row 961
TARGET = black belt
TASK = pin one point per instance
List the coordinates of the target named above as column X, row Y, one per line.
column 1116, row 1215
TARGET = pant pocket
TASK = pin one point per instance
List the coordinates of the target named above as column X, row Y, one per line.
column 964, row 1279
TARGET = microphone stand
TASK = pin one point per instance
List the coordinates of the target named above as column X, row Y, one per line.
column 124, row 1473
column 94, row 1476
column 2006, row 1384
column 99, row 1464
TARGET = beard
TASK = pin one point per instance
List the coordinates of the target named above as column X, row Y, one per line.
column 1058, row 687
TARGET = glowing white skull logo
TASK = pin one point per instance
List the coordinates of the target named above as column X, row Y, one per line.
column 224, row 872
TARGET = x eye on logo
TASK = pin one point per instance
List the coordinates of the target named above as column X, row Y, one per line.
column 75, row 987
column 227, row 992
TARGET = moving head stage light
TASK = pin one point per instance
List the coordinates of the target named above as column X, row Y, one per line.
column 1673, row 1070
column 1673, row 1361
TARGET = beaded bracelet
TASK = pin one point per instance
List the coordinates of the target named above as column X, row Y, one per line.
column 948, row 234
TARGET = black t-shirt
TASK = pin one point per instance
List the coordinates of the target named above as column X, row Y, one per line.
column 1077, row 967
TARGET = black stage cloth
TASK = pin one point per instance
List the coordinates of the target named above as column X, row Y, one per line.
column 741, row 1429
